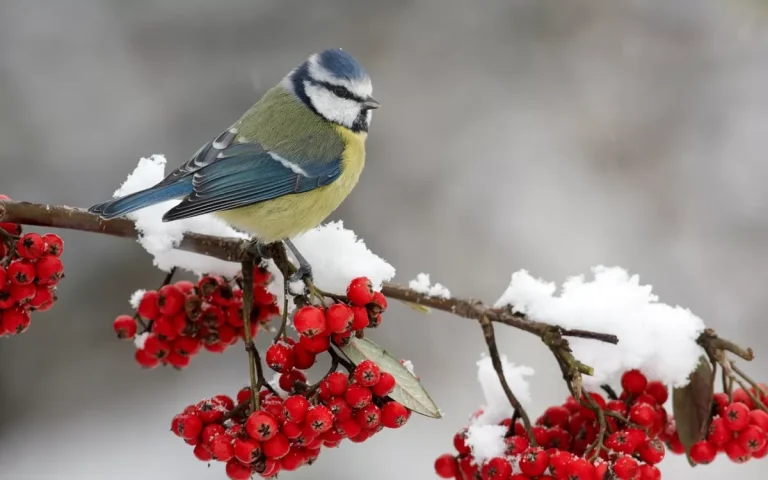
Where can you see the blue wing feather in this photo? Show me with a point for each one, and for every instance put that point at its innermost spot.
(246, 174)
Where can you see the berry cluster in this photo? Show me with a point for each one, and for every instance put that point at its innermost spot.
(738, 427)
(284, 434)
(180, 319)
(570, 444)
(30, 269)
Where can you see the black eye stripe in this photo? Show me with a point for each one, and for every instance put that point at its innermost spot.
(340, 91)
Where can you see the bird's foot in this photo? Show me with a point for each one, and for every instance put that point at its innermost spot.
(259, 249)
(303, 274)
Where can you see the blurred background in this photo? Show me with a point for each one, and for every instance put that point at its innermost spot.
(540, 134)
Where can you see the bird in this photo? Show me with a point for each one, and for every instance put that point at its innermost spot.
(284, 166)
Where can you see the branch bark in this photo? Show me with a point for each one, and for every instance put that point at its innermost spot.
(235, 250)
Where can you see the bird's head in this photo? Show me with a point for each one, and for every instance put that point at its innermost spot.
(335, 86)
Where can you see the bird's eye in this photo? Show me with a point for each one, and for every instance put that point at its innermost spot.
(340, 91)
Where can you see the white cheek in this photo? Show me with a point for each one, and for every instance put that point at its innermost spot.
(339, 110)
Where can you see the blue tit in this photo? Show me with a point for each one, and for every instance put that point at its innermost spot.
(285, 165)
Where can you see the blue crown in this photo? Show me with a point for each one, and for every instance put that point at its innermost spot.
(341, 64)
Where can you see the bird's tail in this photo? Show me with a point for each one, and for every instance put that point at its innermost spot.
(142, 199)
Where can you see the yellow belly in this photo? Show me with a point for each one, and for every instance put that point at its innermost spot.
(291, 215)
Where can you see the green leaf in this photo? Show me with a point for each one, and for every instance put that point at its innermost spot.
(408, 389)
(692, 404)
(417, 307)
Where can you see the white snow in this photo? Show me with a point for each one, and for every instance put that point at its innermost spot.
(485, 436)
(136, 298)
(423, 285)
(486, 441)
(408, 366)
(337, 256)
(656, 338)
(140, 340)
(160, 238)
(335, 253)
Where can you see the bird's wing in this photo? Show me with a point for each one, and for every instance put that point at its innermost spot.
(203, 157)
(244, 174)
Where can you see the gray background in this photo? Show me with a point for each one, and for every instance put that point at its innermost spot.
(540, 134)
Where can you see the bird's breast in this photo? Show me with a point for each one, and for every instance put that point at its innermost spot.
(293, 214)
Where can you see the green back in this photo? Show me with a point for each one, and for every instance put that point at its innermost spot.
(280, 122)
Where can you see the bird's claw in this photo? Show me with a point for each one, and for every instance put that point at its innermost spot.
(303, 274)
(259, 249)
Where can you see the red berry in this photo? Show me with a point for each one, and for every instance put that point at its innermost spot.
(295, 408)
(247, 450)
(369, 417)
(279, 357)
(703, 452)
(212, 316)
(762, 453)
(358, 396)
(310, 321)
(634, 382)
(43, 296)
(721, 401)
(49, 270)
(379, 303)
(367, 373)
(210, 432)
(625, 467)
(652, 451)
(189, 426)
(156, 347)
(341, 339)
(718, 432)
(3, 274)
(339, 318)
(534, 462)
(384, 386)
(339, 408)
(739, 395)
(319, 418)
(360, 319)
(759, 418)
(202, 453)
(22, 294)
(186, 346)
(648, 472)
(302, 358)
(737, 452)
(125, 327)
(15, 321)
(642, 414)
(360, 291)
(276, 447)
(146, 360)
(148, 309)
(237, 471)
(170, 300)
(210, 410)
(54, 245)
(221, 448)
(752, 438)
(516, 445)
(554, 417)
(497, 468)
(31, 246)
(334, 385)
(446, 466)
(736, 417)
(658, 391)
(460, 443)
(261, 426)
(288, 380)
(581, 469)
(21, 272)
(617, 406)
(394, 415)
(558, 460)
(316, 344)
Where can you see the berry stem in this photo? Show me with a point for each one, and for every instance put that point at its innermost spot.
(348, 366)
(253, 354)
(334, 365)
(10, 242)
(610, 392)
(490, 341)
(753, 384)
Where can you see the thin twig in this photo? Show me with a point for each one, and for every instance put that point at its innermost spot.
(336, 356)
(610, 392)
(253, 354)
(312, 388)
(490, 341)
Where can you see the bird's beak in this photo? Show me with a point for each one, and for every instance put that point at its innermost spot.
(370, 103)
